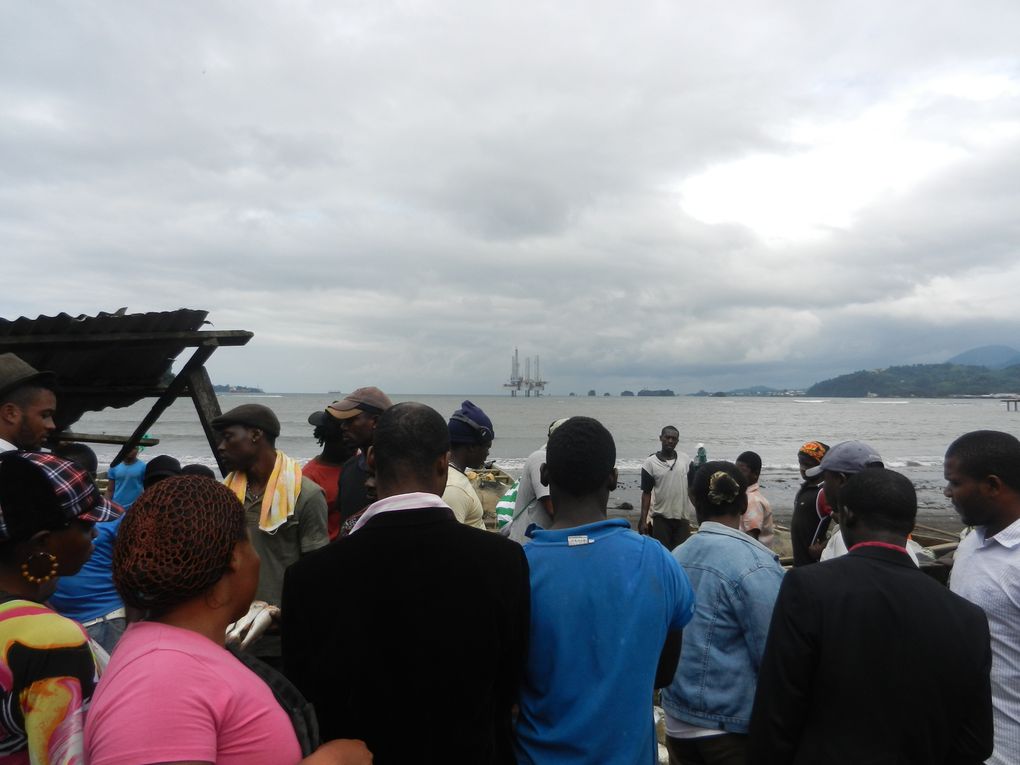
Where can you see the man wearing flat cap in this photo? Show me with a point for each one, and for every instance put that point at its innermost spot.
(358, 413)
(471, 437)
(285, 510)
(27, 404)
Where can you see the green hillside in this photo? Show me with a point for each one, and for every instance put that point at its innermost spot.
(921, 380)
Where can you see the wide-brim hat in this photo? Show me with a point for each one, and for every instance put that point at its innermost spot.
(370, 400)
(14, 372)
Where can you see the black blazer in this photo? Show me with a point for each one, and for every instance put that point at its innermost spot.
(868, 660)
(411, 634)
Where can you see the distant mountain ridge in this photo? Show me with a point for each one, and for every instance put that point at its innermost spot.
(754, 390)
(991, 356)
(922, 381)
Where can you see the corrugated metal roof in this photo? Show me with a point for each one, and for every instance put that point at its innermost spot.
(107, 360)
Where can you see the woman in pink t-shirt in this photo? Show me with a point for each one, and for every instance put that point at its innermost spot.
(172, 692)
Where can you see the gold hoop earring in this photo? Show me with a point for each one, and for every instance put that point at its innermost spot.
(30, 569)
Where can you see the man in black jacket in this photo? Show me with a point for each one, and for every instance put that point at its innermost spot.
(411, 632)
(808, 527)
(868, 660)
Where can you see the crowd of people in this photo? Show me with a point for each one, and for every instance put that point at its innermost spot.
(357, 610)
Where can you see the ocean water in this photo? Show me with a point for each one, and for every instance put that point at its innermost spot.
(911, 435)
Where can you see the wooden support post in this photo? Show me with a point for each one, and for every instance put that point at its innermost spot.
(173, 390)
(208, 408)
(68, 436)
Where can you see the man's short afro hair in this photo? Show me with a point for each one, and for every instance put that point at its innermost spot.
(580, 456)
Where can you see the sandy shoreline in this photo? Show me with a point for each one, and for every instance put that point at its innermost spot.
(933, 511)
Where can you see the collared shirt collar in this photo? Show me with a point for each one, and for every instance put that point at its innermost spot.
(714, 527)
(1009, 537)
(575, 535)
(416, 500)
(7, 446)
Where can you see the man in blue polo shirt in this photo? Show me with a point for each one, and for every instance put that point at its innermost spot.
(607, 607)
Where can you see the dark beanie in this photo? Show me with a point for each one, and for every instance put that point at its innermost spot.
(470, 425)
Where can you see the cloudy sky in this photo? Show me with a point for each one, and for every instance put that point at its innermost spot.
(656, 194)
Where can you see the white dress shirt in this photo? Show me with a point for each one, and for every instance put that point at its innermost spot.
(986, 571)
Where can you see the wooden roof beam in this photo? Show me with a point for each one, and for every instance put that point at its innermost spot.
(188, 339)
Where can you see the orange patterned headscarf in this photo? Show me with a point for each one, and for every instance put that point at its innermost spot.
(814, 449)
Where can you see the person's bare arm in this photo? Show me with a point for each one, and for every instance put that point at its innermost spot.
(646, 503)
(669, 658)
(341, 751)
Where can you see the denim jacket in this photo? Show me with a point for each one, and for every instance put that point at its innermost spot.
(736, 580)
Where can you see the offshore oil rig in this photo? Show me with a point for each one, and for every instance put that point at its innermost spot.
(531, 386)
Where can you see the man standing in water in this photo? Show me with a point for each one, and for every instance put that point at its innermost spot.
(27, 404)
(982, 472)
(664, 492)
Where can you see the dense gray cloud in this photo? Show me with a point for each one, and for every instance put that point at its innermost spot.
(666, 195)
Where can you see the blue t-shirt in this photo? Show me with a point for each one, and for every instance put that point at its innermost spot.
(602, 600)
(128, 482)
(90, 593)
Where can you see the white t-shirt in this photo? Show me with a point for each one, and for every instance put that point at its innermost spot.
(669, 497)
(836, 547)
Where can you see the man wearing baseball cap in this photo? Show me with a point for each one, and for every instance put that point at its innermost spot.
(285, 510)
(839, 463)
(27, 404)
(843, 460)
(471, 437)
(358, 413)
(326, 467)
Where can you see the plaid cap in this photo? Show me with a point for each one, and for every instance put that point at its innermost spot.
(74, 490)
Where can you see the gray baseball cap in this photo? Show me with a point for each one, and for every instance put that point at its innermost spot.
(847, 457)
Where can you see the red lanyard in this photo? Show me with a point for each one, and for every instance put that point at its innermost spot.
(886, 545)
